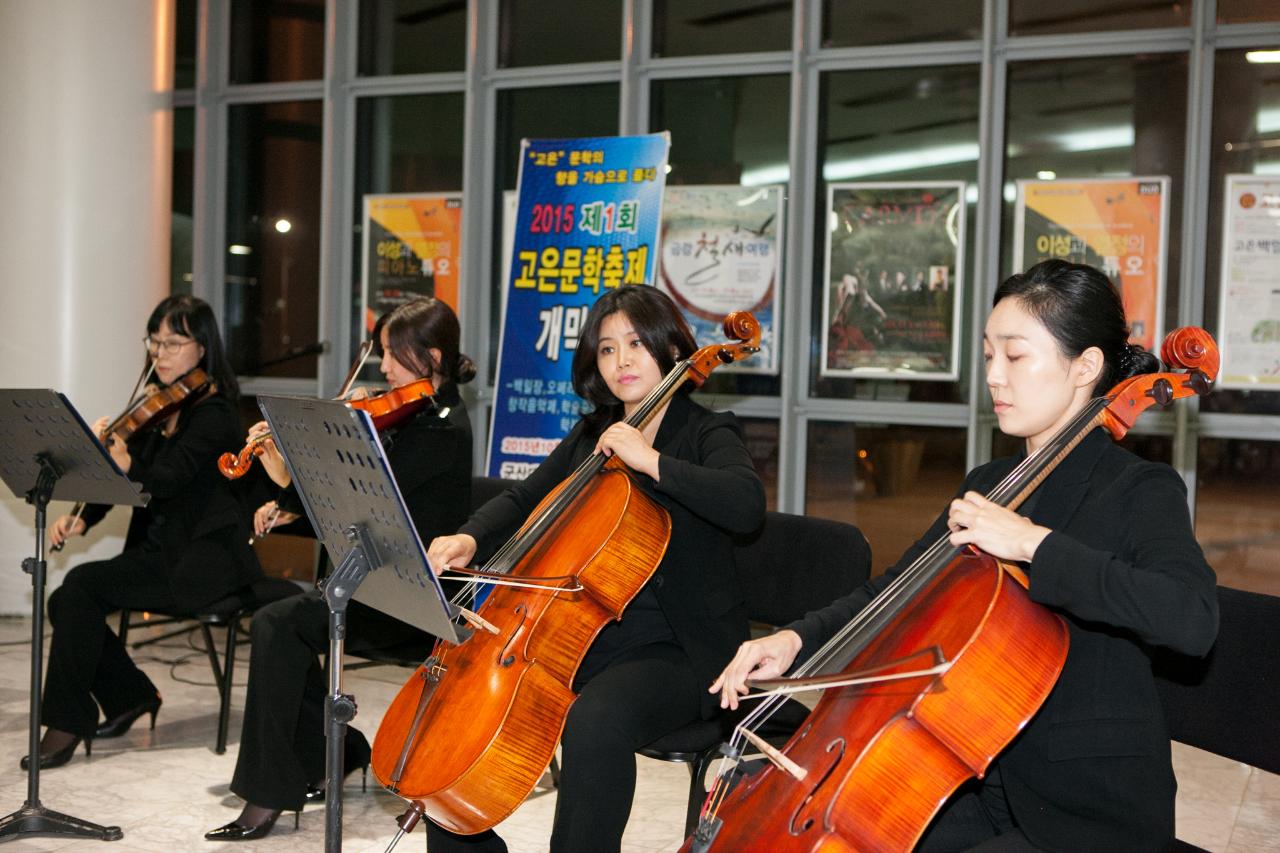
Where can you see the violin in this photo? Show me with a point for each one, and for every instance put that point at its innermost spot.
(233, 466)
(388, 409)
(929, 682)
(158, 405)
(490, 710)
(150, 410)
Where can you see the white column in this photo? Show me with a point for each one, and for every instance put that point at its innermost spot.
(85, 166)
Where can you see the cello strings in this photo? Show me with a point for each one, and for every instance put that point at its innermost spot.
(511, 552)
(504, 560)
(927, 564)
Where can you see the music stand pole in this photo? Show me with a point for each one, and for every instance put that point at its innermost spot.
(33, 818)
(339, 707)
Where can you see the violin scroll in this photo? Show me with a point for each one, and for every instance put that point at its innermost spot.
(233, 466)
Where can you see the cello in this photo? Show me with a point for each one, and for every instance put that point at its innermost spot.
(929, 682)
(474, 728)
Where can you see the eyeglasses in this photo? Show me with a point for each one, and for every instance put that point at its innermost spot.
(169, 347)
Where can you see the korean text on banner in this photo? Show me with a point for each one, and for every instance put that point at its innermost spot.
(411, 248)
(587, 219)
(1115, 224)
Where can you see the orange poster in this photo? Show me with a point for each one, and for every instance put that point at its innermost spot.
(411, 248)
(1115, 224)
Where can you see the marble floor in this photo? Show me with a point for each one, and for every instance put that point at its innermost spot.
(166, 787)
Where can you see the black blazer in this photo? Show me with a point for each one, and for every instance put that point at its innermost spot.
(1092, 769)
(709, 486)
(193, 519)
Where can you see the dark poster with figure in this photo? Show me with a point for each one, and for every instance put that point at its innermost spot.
(895, 261)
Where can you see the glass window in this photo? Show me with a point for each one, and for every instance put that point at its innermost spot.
(1245, 140)
(277, 42)
(761, 437)
(870, 22)
(1238, 511)
(551, 112)
(183, 200)
(271, 311)
(551, 32)
(412, 36)
(405, 143)
(696, 27)
(891, 481)
(887, 127)
(1037, 18)
(186, 24)
(1247, 11)
(726, 130)
(1100, 118)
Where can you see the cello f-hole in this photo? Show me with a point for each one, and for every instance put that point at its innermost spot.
(800, 823)
(505, 657)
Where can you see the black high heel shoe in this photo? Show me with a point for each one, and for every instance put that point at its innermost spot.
(236, 831)
(59, 757)
(315, 793)
(121, 723)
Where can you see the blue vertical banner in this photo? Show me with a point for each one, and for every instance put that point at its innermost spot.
(588, 214)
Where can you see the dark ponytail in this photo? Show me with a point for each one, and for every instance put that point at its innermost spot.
(1081, 308)
(417, 327)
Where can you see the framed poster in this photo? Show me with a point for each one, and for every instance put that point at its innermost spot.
(412, 243)
(722, 252)
(894, 278)
(1115, 224)
(1249, 289)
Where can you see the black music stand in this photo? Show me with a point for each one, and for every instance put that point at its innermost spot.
(47, 451)
(342, 475)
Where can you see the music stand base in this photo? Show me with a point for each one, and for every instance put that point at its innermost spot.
(37, 820)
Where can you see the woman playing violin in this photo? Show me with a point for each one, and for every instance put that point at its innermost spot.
(282, 743)
(640, 678)
(185, 549)
(1108, 544)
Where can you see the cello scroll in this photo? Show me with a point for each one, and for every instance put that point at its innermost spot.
(1189, 349)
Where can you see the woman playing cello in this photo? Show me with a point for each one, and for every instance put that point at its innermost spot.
(282, 742)
(1108, 545)
(187, 548)
(640, 678)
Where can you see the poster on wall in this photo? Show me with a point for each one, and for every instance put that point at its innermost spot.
(411, 246)
(587, 217)
(894, 278)
(1249, 306)
(1115, 224)
(721, 252)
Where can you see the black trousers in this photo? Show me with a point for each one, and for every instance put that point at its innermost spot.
(977, 819)
(88, 665)
(636, 699)
(282, 742)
